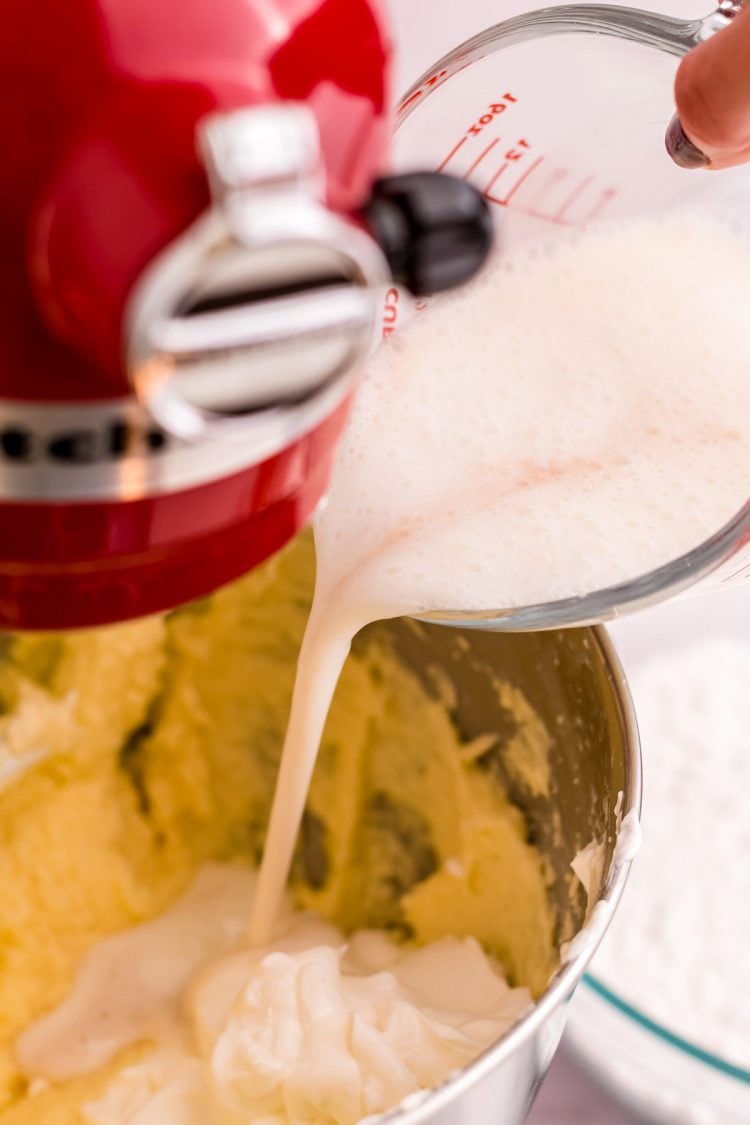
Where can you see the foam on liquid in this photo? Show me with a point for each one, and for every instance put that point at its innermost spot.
(577, 417)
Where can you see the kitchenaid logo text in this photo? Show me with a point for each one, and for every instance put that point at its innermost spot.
(105, 450)
(112, 439)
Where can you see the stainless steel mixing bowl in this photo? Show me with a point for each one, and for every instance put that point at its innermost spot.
(574, 682)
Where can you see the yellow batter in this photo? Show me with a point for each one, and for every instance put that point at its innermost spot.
(129, 755)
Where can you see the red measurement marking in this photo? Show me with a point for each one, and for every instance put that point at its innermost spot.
(546, 217)
(607, 195)
(744, 570)
(576, 193)
(390, 312)
(493, 181)
(452, 153)
(514, 154)
(480, 158)
(413, 98)
(427, 86)
(521, 179)
(553, 181)
(492, 111)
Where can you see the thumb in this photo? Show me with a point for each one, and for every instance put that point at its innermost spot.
(712, 90)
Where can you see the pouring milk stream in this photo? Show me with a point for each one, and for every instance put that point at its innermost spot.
(578, 417)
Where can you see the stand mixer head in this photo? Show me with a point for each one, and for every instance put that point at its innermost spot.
(195, 248)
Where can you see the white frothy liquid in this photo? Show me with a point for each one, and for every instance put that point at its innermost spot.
(577, 417)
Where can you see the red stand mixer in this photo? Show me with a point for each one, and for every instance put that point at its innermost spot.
(195, 248)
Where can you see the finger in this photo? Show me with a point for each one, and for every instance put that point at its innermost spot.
(712, 92)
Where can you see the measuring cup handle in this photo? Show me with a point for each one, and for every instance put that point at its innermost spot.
(719, 19)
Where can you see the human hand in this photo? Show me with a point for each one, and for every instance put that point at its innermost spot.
(711, 128)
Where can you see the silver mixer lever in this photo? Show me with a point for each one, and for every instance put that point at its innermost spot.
(259, 316)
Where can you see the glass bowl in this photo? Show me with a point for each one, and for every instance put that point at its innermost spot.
(664, 1076)
(651, 1069)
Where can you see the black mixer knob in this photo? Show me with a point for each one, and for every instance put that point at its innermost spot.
(435, 230)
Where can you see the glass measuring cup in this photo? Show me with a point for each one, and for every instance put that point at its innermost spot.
(558, 116)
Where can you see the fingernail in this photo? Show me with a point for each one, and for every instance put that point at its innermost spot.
(681, 148)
